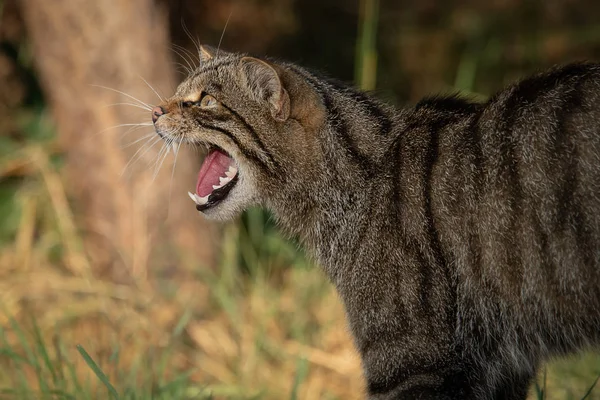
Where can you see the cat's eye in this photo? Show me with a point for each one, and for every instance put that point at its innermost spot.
(208, 101)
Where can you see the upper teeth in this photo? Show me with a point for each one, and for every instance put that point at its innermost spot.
(224, 180)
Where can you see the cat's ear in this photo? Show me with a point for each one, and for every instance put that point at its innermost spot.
(263, 82)
(206, 53)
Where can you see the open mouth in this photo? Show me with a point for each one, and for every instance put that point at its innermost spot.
(217, 176)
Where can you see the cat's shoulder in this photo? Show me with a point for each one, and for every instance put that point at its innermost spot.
(552, 82)
(453, 103)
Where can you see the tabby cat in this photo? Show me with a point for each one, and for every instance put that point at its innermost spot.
(463, 238)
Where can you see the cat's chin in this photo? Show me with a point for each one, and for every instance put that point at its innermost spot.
(230, 207)
(222, 213)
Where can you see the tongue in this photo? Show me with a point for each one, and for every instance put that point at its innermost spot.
(214, 166)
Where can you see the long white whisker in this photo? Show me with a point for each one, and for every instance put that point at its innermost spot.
(183, 70)
(154, 90)
(147, 146)
(133, 128)
(173, 174)
(187, 55)
(193, 57)
(141, 124)
(165, 153)
(223, 33)
(147, 136)
(189, 67)
(164, 148)
(124, 94)
(128, 104)
(196, 42)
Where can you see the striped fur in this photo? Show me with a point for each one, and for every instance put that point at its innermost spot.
(463, 238)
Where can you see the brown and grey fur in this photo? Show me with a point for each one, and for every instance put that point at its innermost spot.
(463, 238)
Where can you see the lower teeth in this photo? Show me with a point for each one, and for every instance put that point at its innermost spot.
(197, 199)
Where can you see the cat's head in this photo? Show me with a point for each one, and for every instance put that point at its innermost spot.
(252, 117)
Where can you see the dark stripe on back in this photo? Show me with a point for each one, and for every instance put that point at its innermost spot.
(453, 104)
(571, 214)
(509, 179)
(431, 157)
(373, 109)
(473, 147)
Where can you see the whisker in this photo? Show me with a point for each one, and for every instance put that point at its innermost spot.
(145, 137)
(133, 128)
(128, 104)
(173, 175)
(124, 94)
(196, 41)
(158, 156)
(147, 146)
(182, 70)
(187, 55)
(174, 149)
(192, 56)
(151, 88)
(141, 124)
(189, 67)
(162, 158)
(223, 33)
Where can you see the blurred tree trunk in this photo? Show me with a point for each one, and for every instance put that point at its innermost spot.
(128, 220)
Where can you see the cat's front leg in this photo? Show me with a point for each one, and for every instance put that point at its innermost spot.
(435, 385)
(445, 379)
(393, 373)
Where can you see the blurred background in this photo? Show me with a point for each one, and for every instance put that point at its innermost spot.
(100, 246)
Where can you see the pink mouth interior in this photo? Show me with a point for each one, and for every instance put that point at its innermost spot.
(215, 165)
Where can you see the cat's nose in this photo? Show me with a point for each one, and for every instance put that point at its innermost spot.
(157, 112)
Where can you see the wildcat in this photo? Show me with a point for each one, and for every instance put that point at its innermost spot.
(462, 237)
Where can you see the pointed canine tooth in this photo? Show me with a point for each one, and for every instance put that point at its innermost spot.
(193, 197)
(224, 181)
(202, 200)
(216, 186)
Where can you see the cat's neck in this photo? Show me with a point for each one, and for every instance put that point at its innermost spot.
(327, 221)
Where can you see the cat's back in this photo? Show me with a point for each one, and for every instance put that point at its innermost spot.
(538, 145)
(524, 225)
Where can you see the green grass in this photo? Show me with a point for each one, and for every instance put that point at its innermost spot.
(33, 368)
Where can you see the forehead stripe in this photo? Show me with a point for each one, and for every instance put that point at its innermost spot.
(213, 66)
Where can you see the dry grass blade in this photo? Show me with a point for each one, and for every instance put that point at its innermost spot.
(76, 260)
(24, 239)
